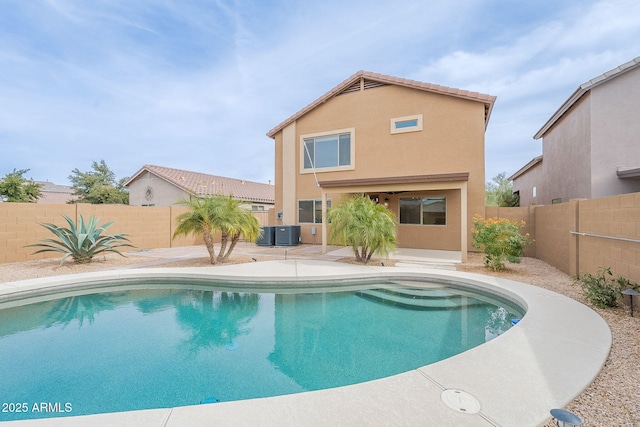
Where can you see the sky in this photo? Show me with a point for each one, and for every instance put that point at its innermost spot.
(197, 84)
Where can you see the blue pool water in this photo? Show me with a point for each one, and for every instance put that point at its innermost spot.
(165, 347)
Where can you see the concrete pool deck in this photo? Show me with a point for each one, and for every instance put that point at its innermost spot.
(542, 363)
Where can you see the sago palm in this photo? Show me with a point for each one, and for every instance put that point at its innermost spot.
(369, 228)
(83, 241)
(217, 214)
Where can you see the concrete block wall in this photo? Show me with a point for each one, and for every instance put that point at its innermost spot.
(617, 221)
(554, 240)
(146, 227)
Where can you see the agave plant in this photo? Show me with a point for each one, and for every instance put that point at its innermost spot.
(81, 242)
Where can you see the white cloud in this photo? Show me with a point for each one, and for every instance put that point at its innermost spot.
(197, 84)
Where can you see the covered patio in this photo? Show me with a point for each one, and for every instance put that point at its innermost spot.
(396, 185)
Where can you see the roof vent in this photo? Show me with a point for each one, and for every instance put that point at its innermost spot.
(353, 88)
(372, 84)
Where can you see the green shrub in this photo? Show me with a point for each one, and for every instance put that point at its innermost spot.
(81, 242)
(500, 239)
(603, 290)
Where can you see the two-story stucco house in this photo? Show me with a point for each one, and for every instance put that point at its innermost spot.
(590, 145)
(416, 147)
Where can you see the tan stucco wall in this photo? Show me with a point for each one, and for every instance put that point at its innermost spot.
(452, 140)
(164, 193)
(615, 134)
(566, 166)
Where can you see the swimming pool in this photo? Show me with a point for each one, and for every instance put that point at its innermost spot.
(553, 353)
(160, 345)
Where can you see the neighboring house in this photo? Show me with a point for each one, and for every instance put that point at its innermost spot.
(526, 182)
(591, 144)
(55, 194)
(161, 186)
(416, 147)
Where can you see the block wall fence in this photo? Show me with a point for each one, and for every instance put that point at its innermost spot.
(584, 235)
(147, 227)
(575, 237)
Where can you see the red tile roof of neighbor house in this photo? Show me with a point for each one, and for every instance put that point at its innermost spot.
(348, 84)
(198, 183)
(583, 89)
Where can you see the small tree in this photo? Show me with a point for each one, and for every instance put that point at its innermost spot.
(14, 187)
(369, 228)
(500, 240)
(98, 186)
(210, 215)
(500, 192)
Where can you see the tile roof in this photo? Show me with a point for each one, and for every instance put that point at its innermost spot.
(198, 183)
(488, 100)
(584, 88)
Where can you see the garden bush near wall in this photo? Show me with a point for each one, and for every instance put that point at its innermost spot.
(602, 289)
(500, 239)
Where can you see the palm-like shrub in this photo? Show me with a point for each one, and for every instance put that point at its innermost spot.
(223, 214)
(82, 241)
(369, 228)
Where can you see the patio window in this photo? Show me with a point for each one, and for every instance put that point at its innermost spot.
(327, 151)
(310, 211)
(420, 210)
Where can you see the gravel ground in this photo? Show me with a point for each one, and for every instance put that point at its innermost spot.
(612, 399)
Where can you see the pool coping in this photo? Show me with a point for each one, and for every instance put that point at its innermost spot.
(542, 363)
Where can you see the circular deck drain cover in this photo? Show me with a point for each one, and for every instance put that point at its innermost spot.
(460, 401)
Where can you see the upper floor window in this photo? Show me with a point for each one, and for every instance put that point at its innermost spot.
(329, 150)
(431, 210)
(406, 124)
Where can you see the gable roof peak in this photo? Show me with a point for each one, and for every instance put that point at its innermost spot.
(349, 85)
(583, 89)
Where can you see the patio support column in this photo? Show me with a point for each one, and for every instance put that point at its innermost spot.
(463, 221)
(324, 222)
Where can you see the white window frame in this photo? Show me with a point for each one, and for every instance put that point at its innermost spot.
(393, 124)
(352, 149)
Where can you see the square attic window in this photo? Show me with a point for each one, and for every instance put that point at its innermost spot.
(406, 124)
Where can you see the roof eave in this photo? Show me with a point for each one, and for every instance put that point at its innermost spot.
(526, 168)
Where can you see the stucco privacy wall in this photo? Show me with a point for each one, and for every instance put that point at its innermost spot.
(617, 217)
(555, 244)
(147, 227)
(606, 233)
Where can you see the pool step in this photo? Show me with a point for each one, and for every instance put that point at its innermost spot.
(418, 299)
